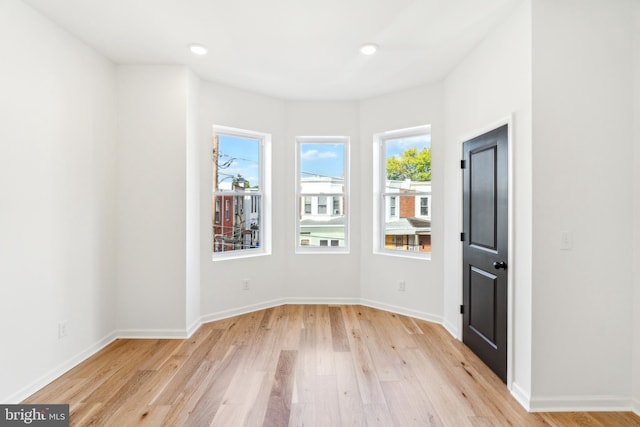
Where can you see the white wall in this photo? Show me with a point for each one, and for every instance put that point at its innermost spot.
(193, 230)
(583, 179)
(636, 210)
(57, 181)
(493, 83)
(221, 288)
(152, 200)
(311, 276)
(380, 274)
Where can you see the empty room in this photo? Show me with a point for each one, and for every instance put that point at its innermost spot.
(291, 212)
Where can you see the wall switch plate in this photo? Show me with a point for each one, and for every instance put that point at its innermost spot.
(245, 284)
(402, 286)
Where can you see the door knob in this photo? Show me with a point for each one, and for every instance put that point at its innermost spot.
(500, 265)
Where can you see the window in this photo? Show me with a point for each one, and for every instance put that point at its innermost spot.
(336, 206)
(322, 205)
(322, 185)
(392, 207)
(240, 187)
(424, 206)
(402, 183)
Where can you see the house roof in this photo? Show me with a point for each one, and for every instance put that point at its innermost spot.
(334, 221)
(405, 226)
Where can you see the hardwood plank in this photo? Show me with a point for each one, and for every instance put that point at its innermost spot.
(116, 401)
(197, 350)
(291, 336)
(383, 355)
(368, 382)
(338, 330)
(299, 365)
(326, 404)
(324, 342)
(377, 414)
(279, 408)
(406, 408)
(351, 406)
(619, 419)
(205, 409)
(137, 410)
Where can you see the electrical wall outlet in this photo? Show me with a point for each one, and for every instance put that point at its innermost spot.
(566, 240)
(62, 329)
(402, 286)
(245, 284)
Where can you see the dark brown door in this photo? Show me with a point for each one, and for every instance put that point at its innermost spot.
(485, 241)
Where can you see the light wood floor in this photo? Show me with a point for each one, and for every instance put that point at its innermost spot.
(312, 365)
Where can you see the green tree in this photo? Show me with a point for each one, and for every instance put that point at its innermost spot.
(412, 164)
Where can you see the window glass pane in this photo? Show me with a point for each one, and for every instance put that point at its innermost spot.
(406, 232)
(322, 194)
(236, 163)
(240, 228)
(237, 193)
(316, 227)
(322, 167)
(408, 158)
(322, 205)
(406, 193)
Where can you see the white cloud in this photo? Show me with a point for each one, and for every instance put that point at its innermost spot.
(316, 155)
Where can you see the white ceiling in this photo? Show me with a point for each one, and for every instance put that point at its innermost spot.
(291, 49)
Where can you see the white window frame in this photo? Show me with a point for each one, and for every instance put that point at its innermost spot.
(380, 213)
(264, 193)
(303, 249)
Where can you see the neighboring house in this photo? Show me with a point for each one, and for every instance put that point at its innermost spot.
(236, 220)
(322, 220)
(408, 216)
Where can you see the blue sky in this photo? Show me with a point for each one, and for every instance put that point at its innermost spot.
(324, 159)
(394, 147)
(239, 156)
(242, 156)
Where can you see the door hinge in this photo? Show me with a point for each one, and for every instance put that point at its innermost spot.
(462, 236)
(463, 164)
(461, 309)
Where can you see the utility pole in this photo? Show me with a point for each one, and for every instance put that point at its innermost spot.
(214, 167)
(214, 179)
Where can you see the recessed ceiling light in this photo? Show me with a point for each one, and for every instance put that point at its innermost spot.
(198, 49)
(369, 49)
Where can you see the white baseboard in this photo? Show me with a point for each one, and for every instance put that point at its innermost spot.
(320, 300)
(521, 396)
(581, 404)
(58, 371)
(422, 315)
(194, 327)
(635, 407)
(452, 329)
(152, 334)
(225, 314)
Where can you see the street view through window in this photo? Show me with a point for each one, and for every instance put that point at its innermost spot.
(322, 197)
(406, 192)
(237, 196)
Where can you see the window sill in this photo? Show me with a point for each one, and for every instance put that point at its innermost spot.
(315, 251)
(425, 256)
(226, 256)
